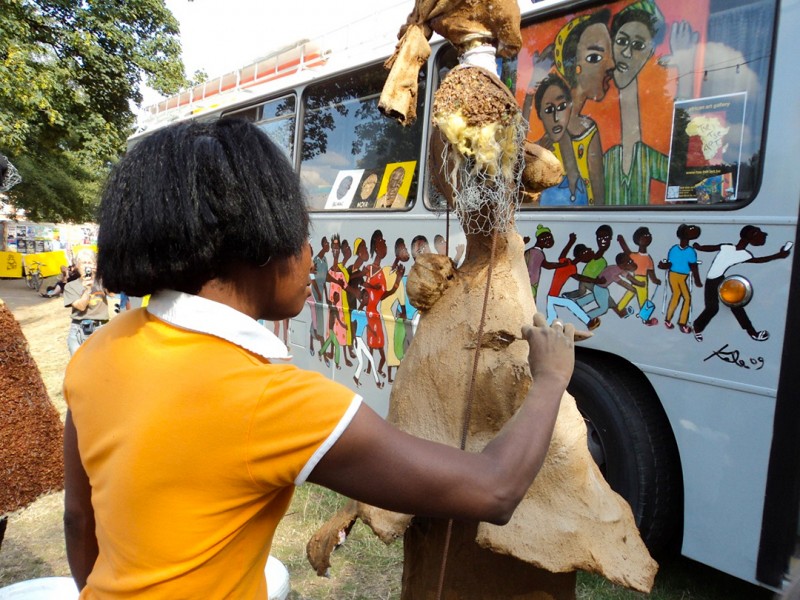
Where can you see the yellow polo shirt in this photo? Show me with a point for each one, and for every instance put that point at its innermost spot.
(193, 441)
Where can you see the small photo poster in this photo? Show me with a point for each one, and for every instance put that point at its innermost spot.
(706, 149)
(396, 182)
(344, 189)
(367, 190)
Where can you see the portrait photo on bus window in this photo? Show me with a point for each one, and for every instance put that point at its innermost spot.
(344, 189)
(628, 94)
(367, 189)
(396, 182)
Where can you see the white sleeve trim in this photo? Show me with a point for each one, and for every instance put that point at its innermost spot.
(330, 441)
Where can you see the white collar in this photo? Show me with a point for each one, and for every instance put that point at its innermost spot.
(206, 316)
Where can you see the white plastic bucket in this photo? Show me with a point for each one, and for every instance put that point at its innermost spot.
(45, 588)
(277, 579)
(63, 588)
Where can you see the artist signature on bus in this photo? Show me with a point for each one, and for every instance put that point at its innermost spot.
(734, 357)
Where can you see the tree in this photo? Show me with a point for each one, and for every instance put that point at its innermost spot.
(69, 74)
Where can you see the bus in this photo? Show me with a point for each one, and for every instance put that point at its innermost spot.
(676, 122)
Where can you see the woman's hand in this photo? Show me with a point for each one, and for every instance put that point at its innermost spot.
(551, 349)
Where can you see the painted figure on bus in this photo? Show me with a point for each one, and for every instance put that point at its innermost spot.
(359, 320)
(319, 295)
(276, 329)
(568, 269)
(553, 104)
(681, 262)
(377, 288)
(338, 327)
(440, 244)
(347, 254)
(630, 166)
(636, 31)
(584, 58)
(355, 275)
(621, 273)
(419, 245)
(536, 260)
(585, 292)
(393, 309)
(645, 273)
(730, 255)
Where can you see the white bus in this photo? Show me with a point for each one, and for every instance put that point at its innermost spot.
(677, 124)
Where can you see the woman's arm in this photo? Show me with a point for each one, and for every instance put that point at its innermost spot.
(376, 463)
(78, 511)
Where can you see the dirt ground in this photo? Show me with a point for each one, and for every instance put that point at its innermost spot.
(34, 542)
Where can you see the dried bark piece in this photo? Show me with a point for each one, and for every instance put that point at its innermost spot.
(463, 23)
(329, 537)
(542, 169)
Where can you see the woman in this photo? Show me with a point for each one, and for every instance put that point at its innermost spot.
(631, 165)
(584, 58)
(176, 482)
(553, 102)
(377, 282)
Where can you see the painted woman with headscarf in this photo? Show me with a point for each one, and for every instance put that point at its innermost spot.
(583, 57)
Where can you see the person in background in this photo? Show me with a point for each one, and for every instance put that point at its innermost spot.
(124, 302)
(66, 275)
(87, 299)
(207, 442)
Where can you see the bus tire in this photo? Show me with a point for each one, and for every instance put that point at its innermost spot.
(631, 441)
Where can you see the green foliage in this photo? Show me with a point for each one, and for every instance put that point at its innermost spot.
(69, 74)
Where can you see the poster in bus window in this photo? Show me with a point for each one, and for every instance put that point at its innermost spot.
(598, 86)
(344, 189)
(367, 190)
(706, 149)
(393, 191)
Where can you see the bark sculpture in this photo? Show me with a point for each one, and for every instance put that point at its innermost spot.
(31, 432)
(570, 518)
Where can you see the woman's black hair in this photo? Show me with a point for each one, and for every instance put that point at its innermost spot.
(551, 79)
(569, 50)
(193, 199)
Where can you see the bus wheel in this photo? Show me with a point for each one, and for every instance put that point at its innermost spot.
(631, 441)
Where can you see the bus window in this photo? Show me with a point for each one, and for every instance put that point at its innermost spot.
(277, 119)
(352, 156)
(649, 103)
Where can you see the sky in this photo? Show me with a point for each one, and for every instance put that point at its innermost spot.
(219, 37)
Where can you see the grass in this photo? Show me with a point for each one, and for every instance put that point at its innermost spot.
(362, 568)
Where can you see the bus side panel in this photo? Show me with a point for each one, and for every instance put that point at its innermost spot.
(724, 439)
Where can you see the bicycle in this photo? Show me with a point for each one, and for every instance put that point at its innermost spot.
(33, 275)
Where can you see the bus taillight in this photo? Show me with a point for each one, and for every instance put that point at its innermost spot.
(735, 291)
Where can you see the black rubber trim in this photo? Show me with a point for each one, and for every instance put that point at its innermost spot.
(782, 495)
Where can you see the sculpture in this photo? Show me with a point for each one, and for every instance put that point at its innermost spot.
(466, 372)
